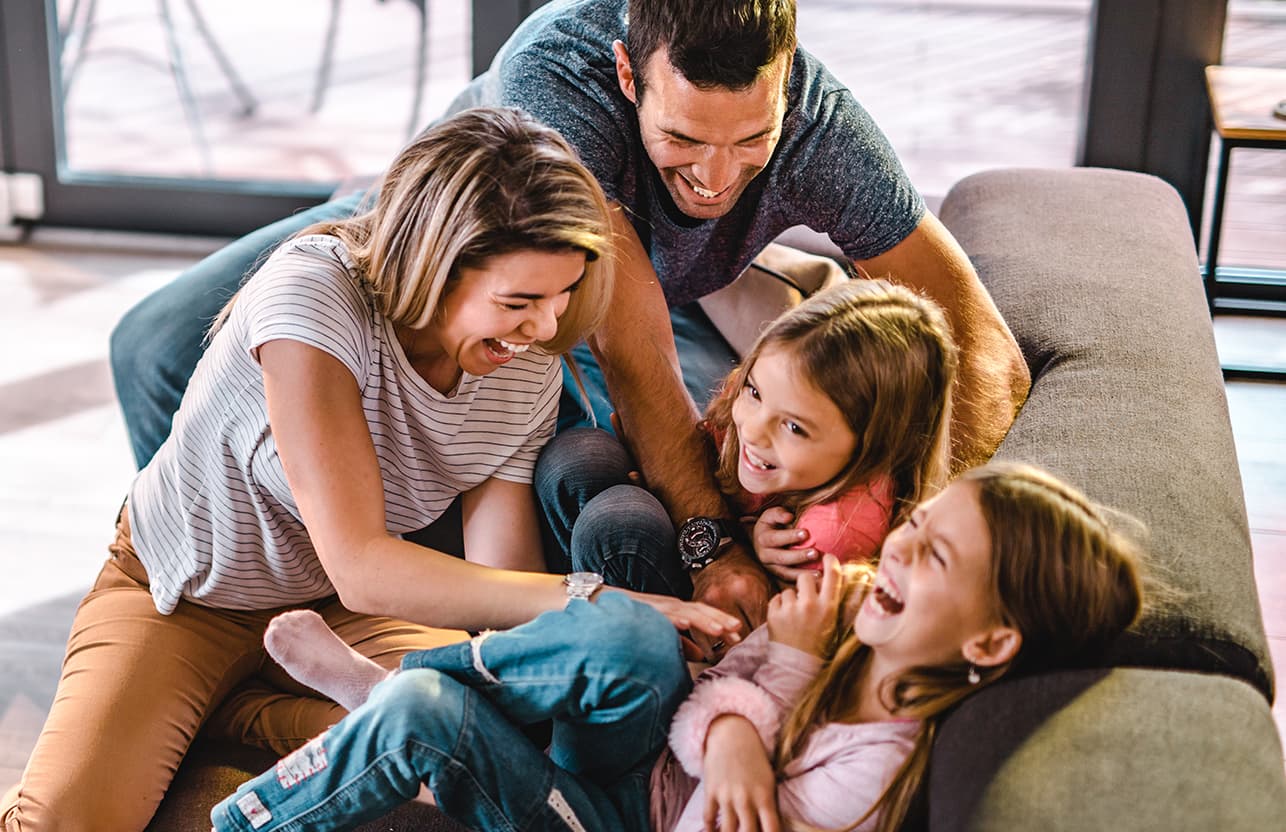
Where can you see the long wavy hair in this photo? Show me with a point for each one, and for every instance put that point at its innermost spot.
(885, 356)
(1060, 575)
(483, 183)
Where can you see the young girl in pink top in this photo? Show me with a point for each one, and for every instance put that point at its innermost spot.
(835, 425)
(824, 717)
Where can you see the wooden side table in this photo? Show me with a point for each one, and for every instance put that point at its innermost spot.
(1242, 101)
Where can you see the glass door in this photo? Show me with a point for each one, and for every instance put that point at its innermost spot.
(217, 117)
(1250, 285)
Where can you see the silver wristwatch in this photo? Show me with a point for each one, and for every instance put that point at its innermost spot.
(582, 584)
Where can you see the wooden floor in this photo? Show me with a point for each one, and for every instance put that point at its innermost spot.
(959, 86)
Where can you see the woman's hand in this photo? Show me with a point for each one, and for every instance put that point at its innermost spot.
(806, 617)
(773, 536)
(741, 790)
(690, 615)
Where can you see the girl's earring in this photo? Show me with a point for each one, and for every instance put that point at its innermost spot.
(974, 677)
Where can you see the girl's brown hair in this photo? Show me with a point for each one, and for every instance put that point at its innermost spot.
(1060, 575)
(885, 356)
(486, 182)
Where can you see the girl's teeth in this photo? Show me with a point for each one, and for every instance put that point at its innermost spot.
(514, 348)
(886, 598)
(888, 588)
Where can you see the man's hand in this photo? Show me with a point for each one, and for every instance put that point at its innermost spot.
(807, 616)
(741, 790)
(736, 584)
(773, 536)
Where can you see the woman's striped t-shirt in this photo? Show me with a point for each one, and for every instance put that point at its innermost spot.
(212, 516)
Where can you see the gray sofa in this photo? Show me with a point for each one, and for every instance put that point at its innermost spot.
(1096, 274)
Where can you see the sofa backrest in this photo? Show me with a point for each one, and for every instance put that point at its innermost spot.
(1096, 273)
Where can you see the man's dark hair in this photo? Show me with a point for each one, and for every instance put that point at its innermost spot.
(712, 43)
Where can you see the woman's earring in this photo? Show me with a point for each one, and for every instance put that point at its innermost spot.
(974, 677)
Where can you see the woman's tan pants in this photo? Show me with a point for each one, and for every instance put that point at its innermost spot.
(137, 686)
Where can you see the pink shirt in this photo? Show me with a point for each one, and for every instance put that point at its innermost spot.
(850, 527)
(839, 774)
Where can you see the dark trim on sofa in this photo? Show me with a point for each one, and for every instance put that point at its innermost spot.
(1192, 653)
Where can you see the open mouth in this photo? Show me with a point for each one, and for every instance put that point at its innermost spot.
(886, 596)
(704, 193)
(754, 462)
(500, 350)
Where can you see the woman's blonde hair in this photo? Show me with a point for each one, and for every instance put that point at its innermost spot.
(483, 183)
(885, 356)
(1060, 575)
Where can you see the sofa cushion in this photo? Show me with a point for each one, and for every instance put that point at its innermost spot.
(1122, 749)
(1096, 273)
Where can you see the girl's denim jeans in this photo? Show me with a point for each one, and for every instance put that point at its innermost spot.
(609, 675)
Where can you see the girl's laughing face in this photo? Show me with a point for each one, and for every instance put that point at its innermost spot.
(792, 436)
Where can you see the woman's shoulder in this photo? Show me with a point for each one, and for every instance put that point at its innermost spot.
(314, 264)
(325, 248)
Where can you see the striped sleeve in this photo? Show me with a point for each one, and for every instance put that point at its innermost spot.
(305, 293)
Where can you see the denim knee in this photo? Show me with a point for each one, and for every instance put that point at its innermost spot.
(579, 463)
(416, 706)
(640, 642)
(626, 535)
(573, 468)
(152, 351)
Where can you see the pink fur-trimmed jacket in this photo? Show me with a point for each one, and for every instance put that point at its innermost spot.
(840, 772)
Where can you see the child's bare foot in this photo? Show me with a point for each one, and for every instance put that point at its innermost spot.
(309, 651)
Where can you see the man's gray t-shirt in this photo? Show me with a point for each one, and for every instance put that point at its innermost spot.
(833, 171)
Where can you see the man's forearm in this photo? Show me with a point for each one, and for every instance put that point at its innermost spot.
(993, 382)
(659, 425)
(658, 421)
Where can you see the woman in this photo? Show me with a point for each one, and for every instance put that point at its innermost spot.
(369, 373)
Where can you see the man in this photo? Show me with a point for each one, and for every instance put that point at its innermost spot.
(712, 133)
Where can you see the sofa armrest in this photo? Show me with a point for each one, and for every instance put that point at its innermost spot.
(1123, 749)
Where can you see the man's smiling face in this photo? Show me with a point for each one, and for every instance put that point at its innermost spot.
(707, 143)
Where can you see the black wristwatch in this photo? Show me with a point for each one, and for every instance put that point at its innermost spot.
(702, 539)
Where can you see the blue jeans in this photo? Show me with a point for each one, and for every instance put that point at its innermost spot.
(597, 521)
(609, 674)
(704, 357)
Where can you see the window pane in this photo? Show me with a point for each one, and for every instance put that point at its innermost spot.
(241, 89)
(960, 86)
(1254, 220)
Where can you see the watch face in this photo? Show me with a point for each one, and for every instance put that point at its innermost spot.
(699, 540)
(583, 579)
(582, 584)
